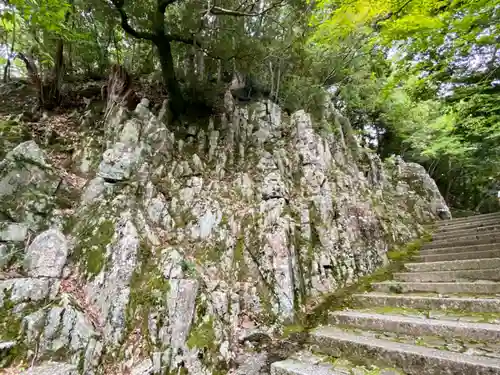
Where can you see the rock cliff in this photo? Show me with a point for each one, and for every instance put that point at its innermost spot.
(186, 248)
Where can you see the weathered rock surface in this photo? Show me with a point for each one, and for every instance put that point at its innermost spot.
(46, 255)
(190, 244)
(52, 368)
(26, 177)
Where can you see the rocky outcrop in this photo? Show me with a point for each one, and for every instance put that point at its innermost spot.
(27, 186)
(188, 244)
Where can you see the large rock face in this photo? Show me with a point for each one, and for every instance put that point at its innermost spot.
(188, 243)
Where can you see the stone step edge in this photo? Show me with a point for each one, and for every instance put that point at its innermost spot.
(472, 228)
(472, 272)
(468, 218)
(471, 237)
(460, 248)
(473, 305)
(413, 267)
(468, 231)
(464, 254)
(411, 358)
(292, 366)
(417, 326)
(466, 224)
(415, 284)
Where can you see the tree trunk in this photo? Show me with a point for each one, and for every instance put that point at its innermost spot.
(177, 104)
(6, 72)
(50, 95)
(50, 92)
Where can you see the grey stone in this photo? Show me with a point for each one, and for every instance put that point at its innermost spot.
(28, 289)
(118, 162)
(181, 306)
(46, 255)
(172, 265)
(26, 177)
(110, 290)
(294, 367)
(92, 355)
(52, 368)
(26, 151)
(13, 232)
(130, 133)
(273, 187)
(33, 325)
(255, 364)
(144, 368)
(93, 190)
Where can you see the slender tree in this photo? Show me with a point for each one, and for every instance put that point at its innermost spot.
(163, 40)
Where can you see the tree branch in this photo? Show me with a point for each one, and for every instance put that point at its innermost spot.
(389, 15)
(125, 24)
(163, 4)
(182, 39)
(218, 11)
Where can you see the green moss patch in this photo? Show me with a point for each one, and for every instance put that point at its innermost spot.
(342, 298)
(203, 336)
(92, 239)
(148, 291)
(11, 328)
(11, 134)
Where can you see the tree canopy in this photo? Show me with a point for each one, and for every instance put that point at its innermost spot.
(417, 78)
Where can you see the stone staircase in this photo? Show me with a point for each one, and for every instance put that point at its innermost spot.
(439, 317)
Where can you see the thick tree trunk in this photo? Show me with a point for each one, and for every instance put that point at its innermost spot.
(177, 104)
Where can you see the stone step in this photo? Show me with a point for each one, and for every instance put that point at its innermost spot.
(465, 232)
(468, 237)
(477, 239)
(458, 249)
(468, 219)
(446, 256)
(417, 326)
(464, 226)
(480, 240)
(452, 265)
(445, 276)
(480, 305)
(412, 359)
(296, 367)
(482, 287)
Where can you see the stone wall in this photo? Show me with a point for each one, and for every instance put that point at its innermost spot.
(188, 242)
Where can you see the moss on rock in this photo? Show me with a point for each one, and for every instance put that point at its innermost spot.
(92, 240)
(342, 298)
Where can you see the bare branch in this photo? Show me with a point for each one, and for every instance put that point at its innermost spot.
(218, 11)
(125, 24)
